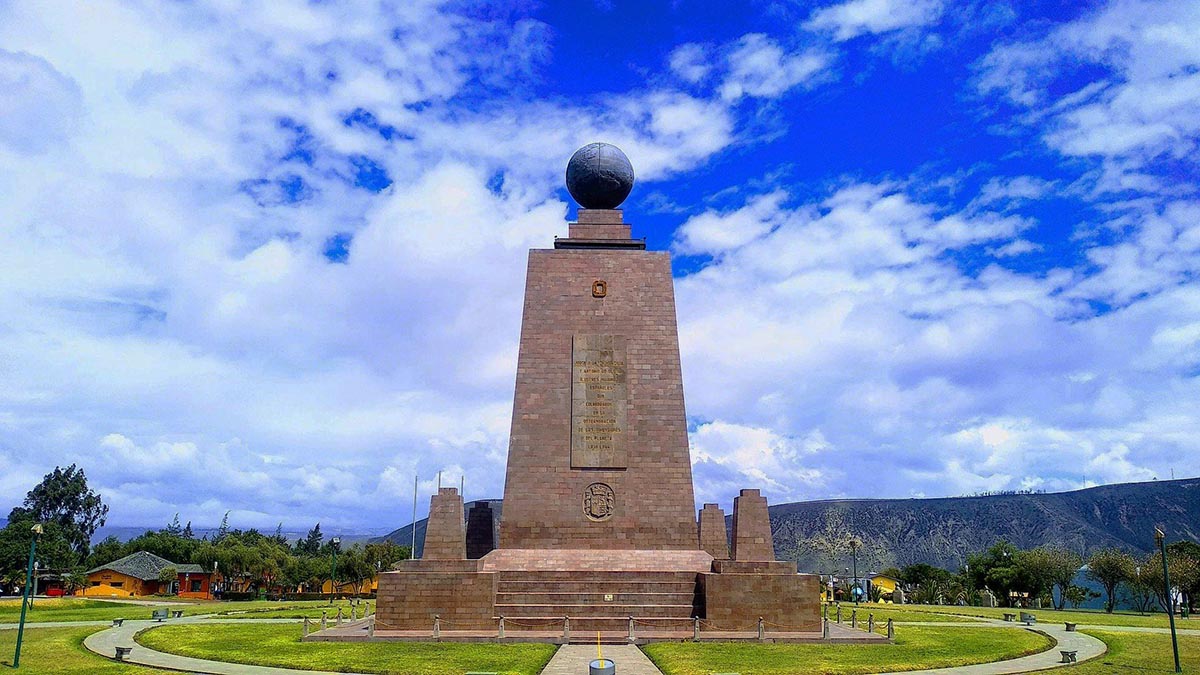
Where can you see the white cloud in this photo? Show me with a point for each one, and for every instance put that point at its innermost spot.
(858, 17)
(759, 67)
(690, 61)
(1141, 100)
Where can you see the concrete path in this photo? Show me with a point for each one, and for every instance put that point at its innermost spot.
(574, 660)
(105, 643)
(1085, 646)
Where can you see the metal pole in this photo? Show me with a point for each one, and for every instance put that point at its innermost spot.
(854, 561)
(37, 531)
(1162, 547)
(412, 554)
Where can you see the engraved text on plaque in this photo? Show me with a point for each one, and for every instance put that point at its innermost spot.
(599, 396)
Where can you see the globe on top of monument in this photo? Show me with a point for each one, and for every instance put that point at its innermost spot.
(599, 176)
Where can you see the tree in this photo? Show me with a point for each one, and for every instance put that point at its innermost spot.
(1048, 566)
(63, 497)
(168, 575)
(1187, 549)
(1185, 572)
(1141, 585)
(174, 529)
(187, 531)
(997, 569)
(1110, 567)
(385, 554)
(311, 545)
(74, 580)
(106, 551)
(53, 549)
(1077, 595)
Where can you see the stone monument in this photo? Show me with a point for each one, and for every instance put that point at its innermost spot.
(599, 521)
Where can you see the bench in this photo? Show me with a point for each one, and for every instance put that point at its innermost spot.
(1010, 617)
(1068, 655)
(1070, 626)
(1028, 619)
(117, 622)
(122, 652)
(159, 615)
(176, 614)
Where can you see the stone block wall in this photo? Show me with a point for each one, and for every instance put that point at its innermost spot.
(787, 602)
(751, 528)
(409, 600)
(714, 538)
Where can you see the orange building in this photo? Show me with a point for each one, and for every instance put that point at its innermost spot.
(140, 574)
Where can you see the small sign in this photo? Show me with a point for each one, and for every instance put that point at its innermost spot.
(608, 597)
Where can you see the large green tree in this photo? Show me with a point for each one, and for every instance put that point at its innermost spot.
(1045, 567)
(64, 498)
(1111, 567)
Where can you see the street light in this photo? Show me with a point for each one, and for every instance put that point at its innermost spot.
(1160, 539)
(37, 532)
(855, 591)
(333, 547)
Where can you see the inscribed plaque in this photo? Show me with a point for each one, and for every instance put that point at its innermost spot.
(599, 395)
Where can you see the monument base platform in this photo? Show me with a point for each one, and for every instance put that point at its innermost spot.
(361, 632)
(597, 590)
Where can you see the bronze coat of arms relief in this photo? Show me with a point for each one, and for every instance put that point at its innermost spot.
(599, 502)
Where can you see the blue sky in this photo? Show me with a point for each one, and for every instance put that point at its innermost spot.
(268, 257)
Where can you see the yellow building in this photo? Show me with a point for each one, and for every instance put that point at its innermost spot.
(138, 574)
(886, 585)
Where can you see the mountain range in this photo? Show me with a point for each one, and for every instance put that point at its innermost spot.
(944, 531)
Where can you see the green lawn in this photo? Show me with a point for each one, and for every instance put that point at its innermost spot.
(78, 609)
(916, 647)
(60, 651)
(1140, 654)
(280, 645)
(883, 612)
(1081, 617)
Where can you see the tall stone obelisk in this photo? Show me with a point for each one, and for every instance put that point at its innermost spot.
(598, 455)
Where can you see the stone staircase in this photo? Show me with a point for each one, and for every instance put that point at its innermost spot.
(595, 600)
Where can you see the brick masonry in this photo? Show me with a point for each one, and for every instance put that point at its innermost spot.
(445, 534)
(752, 527)
(543, 494)
(714, 538)
(787, 602)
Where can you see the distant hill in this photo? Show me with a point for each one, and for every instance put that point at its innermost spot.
(944, 531)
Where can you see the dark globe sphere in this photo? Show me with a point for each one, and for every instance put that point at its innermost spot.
(599, 176)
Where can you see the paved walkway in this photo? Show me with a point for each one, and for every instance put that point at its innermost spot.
(1085, 646)
(105, 643)
(574, 660)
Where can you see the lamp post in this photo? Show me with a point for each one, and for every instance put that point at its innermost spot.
(33, 594)
(37, 532)
(1160, 539)
(855, 591)
(333, 548)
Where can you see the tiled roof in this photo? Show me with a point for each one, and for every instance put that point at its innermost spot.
(141, 565)
(189, 568)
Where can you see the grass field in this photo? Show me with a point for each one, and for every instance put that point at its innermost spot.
(916, 647)
(883, 612)
(78, 609)
(60, 651)
(1081, 617)
(1140, 653)
(279, 645)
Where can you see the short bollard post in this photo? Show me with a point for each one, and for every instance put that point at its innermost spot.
(371, 627)
(839, 613)
(353, 612)
(306, 626)
(762, 632)
(437, 626)
(825, 614)
(324, 619)
(871, 623)
(631, 636)
(501, 626)
(891, 630)
(339, 616)
(695, 629)
(566, 629)
(825, 629)
(854, 618)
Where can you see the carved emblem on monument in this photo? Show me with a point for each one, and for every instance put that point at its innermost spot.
(598, 501)
(599, 288)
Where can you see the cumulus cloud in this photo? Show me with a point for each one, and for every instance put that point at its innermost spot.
(1119, 84)
(759, 67)
(858, 17)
